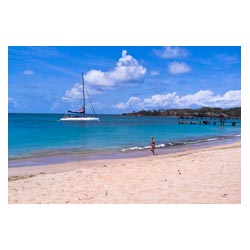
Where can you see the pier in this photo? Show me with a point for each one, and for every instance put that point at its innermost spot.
(209, 121)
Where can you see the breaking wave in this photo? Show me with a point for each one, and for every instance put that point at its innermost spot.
(179, 143)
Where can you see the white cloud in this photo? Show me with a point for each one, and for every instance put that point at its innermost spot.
(75, 93)
(229, 59)
(154, 73)
(176, 68)
(98, 78)
(160, 100)
(28, 72)
(132, 101)
(127, 70)
(12, 103)
(73, 97)
(171, 52)
(231, 98)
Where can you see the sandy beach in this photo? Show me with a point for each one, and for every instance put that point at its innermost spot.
(208, 176)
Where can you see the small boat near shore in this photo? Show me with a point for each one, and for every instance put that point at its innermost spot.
(80, 115)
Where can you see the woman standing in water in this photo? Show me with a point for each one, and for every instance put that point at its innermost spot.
(152, 145)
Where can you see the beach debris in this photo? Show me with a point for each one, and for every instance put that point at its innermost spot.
(105, 166)
(15, 178)
(166, 180)
(179, 171)
(106, 193)
(224, 195)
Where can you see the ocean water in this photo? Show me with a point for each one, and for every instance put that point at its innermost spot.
(38, 135)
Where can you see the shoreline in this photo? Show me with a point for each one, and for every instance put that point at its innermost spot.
(202, 175)
(65, 157)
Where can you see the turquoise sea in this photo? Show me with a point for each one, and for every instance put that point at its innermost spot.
(32, 137)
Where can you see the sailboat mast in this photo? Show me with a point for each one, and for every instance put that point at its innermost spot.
(83, 93)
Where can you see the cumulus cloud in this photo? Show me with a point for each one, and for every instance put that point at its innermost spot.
(230, 99)
(158, 100)
(169, 52)
(75, 93)
(28, 72)
(132, 101)
(73, 97)
(176, 68)
(127, 70)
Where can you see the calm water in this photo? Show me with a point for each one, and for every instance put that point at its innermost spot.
(34, 135)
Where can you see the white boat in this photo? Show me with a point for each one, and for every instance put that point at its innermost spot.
(79, 115)
(81, 119)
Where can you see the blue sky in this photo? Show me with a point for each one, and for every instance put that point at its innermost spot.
(123, 78)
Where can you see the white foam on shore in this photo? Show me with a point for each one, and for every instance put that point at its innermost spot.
(171, 144)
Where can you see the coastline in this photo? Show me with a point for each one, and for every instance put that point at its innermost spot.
(59, 157)
(199, 175)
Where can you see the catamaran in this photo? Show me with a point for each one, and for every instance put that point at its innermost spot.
(79, 115)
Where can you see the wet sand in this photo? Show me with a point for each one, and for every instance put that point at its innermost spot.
(206, 175)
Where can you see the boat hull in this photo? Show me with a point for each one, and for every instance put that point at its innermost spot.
(79, 119)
